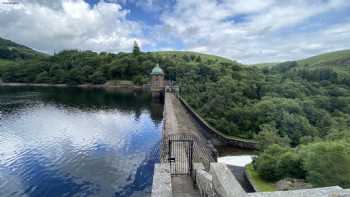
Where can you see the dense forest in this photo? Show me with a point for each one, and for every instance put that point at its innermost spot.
(298, 111)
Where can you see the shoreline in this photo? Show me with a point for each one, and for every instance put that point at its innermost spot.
(102, 86)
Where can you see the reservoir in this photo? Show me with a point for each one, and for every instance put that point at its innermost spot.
(77, 142)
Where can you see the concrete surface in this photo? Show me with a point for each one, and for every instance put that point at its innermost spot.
(183, 187)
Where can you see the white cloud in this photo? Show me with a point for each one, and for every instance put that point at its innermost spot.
(249, 31)
(69, 24)
(252, 31)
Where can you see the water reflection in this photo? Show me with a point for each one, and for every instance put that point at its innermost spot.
(68, 141)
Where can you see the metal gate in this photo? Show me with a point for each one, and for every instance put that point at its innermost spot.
(180, 156)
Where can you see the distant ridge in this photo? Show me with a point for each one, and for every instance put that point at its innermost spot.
(11, 51)
(189, 53)
(335, 58)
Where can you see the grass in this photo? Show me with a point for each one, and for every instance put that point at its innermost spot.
(202, 55)
(326, 58)
(260, 184)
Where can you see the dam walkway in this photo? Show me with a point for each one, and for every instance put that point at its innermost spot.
(183, 143)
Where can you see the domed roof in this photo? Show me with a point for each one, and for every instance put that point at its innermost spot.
(157, 71)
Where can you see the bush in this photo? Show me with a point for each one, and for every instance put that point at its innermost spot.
(278, 162)
(290, 165)
(327, 163)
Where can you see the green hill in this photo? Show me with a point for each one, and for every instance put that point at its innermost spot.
(203, 56)
(12, 51)
(264, 65)
(337, 58)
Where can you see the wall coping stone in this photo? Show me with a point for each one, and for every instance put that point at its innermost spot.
(224, 183)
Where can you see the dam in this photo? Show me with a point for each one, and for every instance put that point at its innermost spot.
(188, 164)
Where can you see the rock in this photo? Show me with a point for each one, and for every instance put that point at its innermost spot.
(292, 184)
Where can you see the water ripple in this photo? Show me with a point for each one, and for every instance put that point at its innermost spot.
(50, 149)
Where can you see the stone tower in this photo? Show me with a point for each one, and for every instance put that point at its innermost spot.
(157, 85)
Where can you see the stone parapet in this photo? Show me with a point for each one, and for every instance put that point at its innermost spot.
(161, 186)
(224, 183)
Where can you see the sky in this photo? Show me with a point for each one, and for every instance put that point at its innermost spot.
(249, 31)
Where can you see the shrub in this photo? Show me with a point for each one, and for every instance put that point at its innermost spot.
(278, 162)
(327, 163)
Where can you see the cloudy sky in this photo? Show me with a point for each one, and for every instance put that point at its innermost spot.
(249, 31)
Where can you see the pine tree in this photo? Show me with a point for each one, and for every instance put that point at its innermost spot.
(136, 49)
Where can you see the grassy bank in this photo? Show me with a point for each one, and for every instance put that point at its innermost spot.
(260, 184)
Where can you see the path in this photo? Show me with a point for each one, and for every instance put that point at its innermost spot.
(179, 125)
(185, 123)
(182, 186)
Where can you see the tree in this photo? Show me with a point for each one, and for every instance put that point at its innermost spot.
(42, 77)
(136, 49)
(267, 163)
(327, 163)
(269, 135)
(97, 78)
(278, 162)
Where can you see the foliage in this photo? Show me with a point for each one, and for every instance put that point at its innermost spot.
(13, 51)
(268, 136)
(278, 162)
(327, 163)
(136, 49)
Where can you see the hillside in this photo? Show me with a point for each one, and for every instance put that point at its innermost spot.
(203, 56)
(263, 65)
(12, 51)
(297, 111)
(337, 58)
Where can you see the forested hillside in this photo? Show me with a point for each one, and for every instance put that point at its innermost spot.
(299, 111)
(12, 51)
(77, 67)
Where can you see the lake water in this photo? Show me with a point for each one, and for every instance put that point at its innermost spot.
(75, 142)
